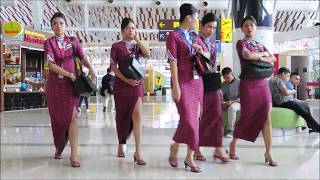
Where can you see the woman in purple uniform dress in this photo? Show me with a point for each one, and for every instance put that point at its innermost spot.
(255, 95)
(187, 85)
(61, 97)
(211, 119)
(128, 93)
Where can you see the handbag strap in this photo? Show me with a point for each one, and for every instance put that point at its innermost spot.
(134, 50)
(78, 71)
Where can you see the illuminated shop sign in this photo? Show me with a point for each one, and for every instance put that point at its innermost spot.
(300, 44)
(34, 37)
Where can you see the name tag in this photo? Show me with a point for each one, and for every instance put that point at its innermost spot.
(68, 46)
(195, 74)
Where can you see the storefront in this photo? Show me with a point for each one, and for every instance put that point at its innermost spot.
(24, 68)
(299, 51)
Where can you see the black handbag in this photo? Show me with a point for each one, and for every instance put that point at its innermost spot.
(211, 81)
(256, 69)
(131, 67)
(201, 64)
(83, 84)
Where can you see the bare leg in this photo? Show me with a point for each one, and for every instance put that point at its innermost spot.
(198, 154)
(190, 152)
(137, 129)
(121, 150)
(232, 149)
(267, 137)
(73, 136)
(189, 158)
(174, 150)
(218, 152)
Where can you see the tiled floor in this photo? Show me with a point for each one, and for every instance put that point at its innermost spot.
(27, 150)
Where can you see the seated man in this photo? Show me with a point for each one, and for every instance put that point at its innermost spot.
(282, 97)
(231, 99)
(293, 82)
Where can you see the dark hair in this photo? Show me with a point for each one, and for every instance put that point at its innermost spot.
(294, 74)
(58, 15)
(185, 10)
(226, 71)
(283, 70)
(250, 18)
(209, 17)
(125, 22)
(109, 70)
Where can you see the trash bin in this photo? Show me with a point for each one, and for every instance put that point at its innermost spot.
(164, 91)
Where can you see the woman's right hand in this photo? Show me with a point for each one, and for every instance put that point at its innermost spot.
(72, 77)
(197, 48)
(176, 93)
(132, 82)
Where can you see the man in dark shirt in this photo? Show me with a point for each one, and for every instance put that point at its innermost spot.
(107, 89)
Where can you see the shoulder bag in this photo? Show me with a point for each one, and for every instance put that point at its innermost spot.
(83, 84)
(131, 67)
(256, 69)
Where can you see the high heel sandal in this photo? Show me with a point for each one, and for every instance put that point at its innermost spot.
(57, 156)
(195, 169)
(233, 157)
(74, 163)
(140, 162)
(121, 154)
(270, 162)
(224, 160)
(172, 160)
(199, 158)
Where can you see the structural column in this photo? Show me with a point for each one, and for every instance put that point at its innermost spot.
(1, 76)
(37, 13)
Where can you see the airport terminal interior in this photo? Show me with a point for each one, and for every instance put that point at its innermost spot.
(30, 113)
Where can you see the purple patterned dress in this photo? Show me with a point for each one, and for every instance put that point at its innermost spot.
(211, 119)
(61, 97)
(125, 95)
(191, 89)
(255, 97)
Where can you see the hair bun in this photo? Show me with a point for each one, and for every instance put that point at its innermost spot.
(185, 10)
